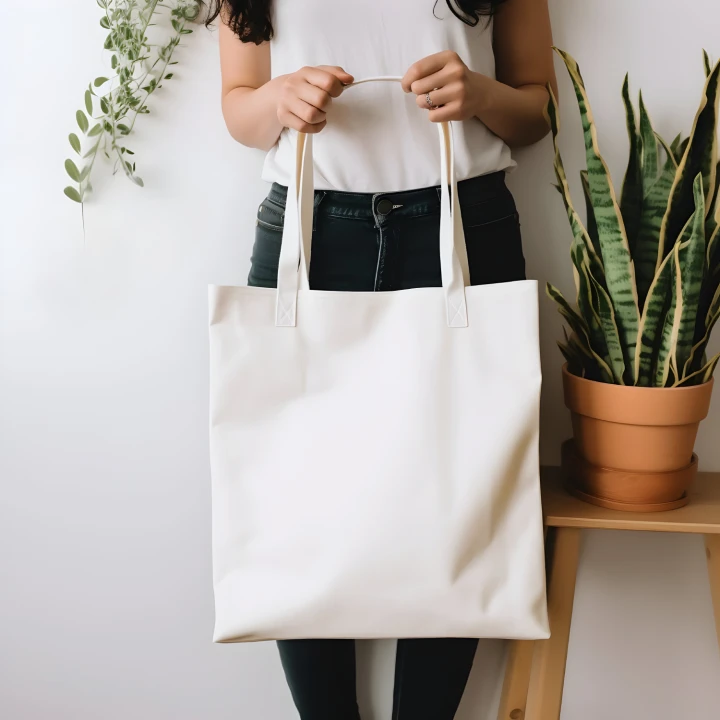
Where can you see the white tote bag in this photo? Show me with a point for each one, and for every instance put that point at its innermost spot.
(374, 456)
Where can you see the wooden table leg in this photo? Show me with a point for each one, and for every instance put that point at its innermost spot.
(548, 670)
(517, 679)
(712, 548)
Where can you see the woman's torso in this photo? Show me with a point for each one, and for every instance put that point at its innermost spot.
(377, 139)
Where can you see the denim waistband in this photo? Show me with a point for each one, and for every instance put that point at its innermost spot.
(404, 204)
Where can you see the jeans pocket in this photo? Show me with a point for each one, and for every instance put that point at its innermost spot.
(265, 254)
(495, 251)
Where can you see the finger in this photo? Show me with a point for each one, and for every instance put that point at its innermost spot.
(314, 96)
(438, 97)
(448, 112)
(305, 111)
(422, 68)
(431, 82)
(327, 81)
(344, 77)
(296, 123)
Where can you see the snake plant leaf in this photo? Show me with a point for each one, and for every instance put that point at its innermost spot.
(667, 335)
(709, 321)
(654, 312)
(675, 147)
(700, 157)
(580, 331)
(650, 154)
(691, 254)
(669, 154)
(589, 306)
(631, 196)
(713, 214)
(605, 310)
(580, 234)
(617, 262)
(680, 153)
(706, 63)
(711, 283)
(647, 249)
(687, 271)
(590, 223)
(700, 376)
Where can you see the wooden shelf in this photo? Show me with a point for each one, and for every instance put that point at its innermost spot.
(700, 516)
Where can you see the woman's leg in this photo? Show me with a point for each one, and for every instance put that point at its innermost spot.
(430, 677)
(321, 677)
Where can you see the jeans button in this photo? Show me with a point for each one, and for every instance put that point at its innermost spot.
(384, 206)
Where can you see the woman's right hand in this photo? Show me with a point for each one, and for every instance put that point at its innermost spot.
(305, 96)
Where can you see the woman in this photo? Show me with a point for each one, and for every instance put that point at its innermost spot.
(485, 64)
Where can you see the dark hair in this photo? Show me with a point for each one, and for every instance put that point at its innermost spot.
(250, 19)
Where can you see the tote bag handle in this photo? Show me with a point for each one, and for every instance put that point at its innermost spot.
(297, 232)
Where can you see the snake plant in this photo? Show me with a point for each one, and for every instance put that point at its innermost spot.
(647, 263)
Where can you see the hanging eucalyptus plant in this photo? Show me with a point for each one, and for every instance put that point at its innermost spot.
(646, 266)
(140, 66)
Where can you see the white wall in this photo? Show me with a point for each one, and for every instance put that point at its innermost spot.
(105, 518)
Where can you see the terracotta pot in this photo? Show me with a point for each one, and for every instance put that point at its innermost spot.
(623, 489)
(647, 435)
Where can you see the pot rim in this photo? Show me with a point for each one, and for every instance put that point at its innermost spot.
(632, 405)
(636, 388)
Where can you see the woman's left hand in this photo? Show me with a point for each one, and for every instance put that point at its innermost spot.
(453, 89)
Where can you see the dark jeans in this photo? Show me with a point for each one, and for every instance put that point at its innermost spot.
(389, 241)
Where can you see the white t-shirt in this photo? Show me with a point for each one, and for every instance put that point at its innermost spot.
(377, 139)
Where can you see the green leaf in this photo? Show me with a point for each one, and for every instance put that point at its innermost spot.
(74, 142)
(701, 156)
(687, 270)
(667, 335)
(617, 262)
(709, 320)
(675, 146)
(124, 129)
(707, 65)
(649, 149)
(647, 251)
(113, 62)
(72, 171)
(631, 197)
(580, 235)
(88, 102)
(95, 130)
(653, 318)
(85, 172)
(73, 194)
(100, 81)
(104, 106)
(168, 76)
(580, 330)
(591, 224)
(703, 375)
(692, 265)
(588, 304)
(82, 120)
(681, 149)
(604, 309)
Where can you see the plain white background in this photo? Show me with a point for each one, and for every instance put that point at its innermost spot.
(105, 517)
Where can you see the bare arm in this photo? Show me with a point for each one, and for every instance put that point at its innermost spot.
(512, 106)
(256, 108)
